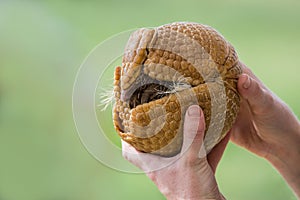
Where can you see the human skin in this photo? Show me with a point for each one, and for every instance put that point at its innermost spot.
(265, 126)
(191, 174)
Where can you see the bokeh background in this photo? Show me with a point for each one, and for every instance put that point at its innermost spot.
(43, 43)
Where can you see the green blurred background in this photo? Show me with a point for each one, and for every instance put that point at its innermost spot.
(43, 43)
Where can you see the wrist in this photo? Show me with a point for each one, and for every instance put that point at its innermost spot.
(173, 197)
(191, 188)
(285, 157)
(191, 193)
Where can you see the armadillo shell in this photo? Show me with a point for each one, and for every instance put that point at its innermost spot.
(164, 71)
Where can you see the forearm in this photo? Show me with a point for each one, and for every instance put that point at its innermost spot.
(286, 158)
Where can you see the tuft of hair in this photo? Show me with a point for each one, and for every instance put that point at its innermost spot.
(177, 85)
(106, 98)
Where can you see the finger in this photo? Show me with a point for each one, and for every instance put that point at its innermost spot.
(145, 161)
(132, 155)
(128, 151)
(255, 93)
(194, 126)
(248, 71)
(216, 153)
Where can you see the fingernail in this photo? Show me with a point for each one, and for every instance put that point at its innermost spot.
(247, 83)
(194, 111)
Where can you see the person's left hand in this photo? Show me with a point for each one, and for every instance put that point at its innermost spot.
(190, 174)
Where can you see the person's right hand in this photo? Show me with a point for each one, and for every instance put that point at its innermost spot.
(267, 127)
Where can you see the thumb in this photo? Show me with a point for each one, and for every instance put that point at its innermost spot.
(255, 93)
(194, 127)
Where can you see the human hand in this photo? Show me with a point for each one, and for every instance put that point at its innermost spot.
(190, 174)
(267, 127)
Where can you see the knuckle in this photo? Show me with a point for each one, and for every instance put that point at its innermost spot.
(257, 90)
(269, 98)
(193, 160)
(152, 176)
(125, 155)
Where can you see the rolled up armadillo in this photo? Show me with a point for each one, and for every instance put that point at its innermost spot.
(164, 71)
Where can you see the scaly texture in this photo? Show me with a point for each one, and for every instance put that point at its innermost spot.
(164, 71)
